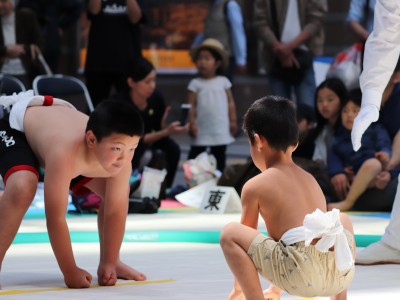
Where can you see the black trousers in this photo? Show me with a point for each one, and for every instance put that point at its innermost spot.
(101, 84)
(218, 151)
(172, 153)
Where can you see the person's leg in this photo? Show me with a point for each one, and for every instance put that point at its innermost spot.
(195, 151)
(395, 158)
(278, 87)
(235, 241)
(123, 271)
(305, 91)
(363, 180)
(367, 201)
(172, 152)
(99, 85)
(138, 156)
(387, 250)
(391, 236)
(18, 194)
(220, 155)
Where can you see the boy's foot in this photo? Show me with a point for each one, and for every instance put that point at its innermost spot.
(378, 253)
(126, 272)
(272, 293)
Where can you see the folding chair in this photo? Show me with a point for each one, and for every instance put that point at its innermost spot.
(10, 84)
(65, 87)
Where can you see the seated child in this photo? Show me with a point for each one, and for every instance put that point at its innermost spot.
(352, 173)
(298, 255)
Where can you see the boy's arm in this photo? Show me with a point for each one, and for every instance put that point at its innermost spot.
(232, 113)
(249, 218)
(115, 211)
(56, 189)
(114, 219)
(250, 207)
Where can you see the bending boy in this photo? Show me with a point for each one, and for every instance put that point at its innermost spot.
(77, 152)
(308, 252)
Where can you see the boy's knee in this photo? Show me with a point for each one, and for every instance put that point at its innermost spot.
(21, 187)
(227, 233)
(372, 164)
(346, 222)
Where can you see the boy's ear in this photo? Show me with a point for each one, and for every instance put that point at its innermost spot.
(259, 142)
(90, 138)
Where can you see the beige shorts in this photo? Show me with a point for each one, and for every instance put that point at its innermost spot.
(298, 269)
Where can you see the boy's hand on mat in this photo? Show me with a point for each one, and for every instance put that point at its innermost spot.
(77, 279)
(107, 274)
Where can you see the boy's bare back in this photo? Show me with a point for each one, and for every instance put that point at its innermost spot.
(60, 132)
(284, 193)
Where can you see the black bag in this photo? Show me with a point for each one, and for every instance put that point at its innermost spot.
(293, 75)
(144, 205)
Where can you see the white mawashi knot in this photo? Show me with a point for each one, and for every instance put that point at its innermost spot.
(328, 228)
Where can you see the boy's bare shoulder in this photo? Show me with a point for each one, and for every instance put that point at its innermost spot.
(279, 182)
(54, 131)
(261, 183)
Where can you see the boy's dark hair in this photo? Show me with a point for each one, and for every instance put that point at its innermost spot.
(273, 118)
(354, 96)
(111, 116)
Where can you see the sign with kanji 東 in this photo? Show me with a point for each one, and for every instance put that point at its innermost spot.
(219, 200)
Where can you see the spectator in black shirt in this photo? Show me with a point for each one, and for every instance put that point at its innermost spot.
(150, 103)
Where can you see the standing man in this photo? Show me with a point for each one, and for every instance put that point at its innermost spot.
(54, 17)
(381, 54)
(287, 27)
(111, 45)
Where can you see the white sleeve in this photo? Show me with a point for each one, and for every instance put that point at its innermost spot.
(226, 82)
(193, 86)
(381, 52)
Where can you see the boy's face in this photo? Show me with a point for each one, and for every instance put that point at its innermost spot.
(349, 113)
(206, 64)
(115, 151)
